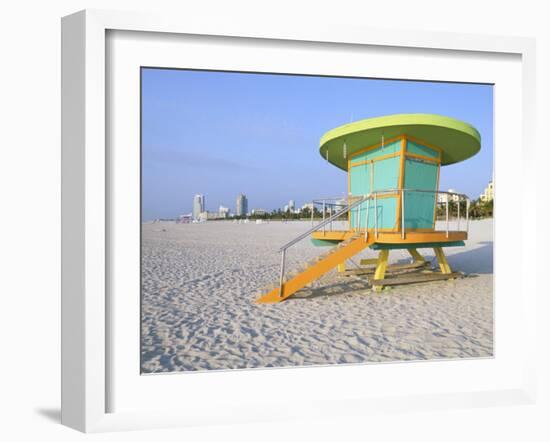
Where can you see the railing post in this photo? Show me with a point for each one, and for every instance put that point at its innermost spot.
(312, 212)
(282, 276)
(376, 215)
(402, 213)
(358, 218)
(367, 220)
(467, 215)
(447, 214)
(458, 214)
(323, 216)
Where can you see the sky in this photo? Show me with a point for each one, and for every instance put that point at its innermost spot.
(225, 133)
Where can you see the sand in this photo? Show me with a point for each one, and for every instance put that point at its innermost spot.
(199, 283)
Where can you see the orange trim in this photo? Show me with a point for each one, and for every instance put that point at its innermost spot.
(401, 180)
(383, 196)
(349, 189)
(365, 149)
(388, 195)
(423, 157)
(384, 157)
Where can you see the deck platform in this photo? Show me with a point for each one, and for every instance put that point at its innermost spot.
(413, 238)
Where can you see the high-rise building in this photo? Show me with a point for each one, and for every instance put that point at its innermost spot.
(242, 205)
(223, 211)
(199, 203)
(291, 205)
(488, 193)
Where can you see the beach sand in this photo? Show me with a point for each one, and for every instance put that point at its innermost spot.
(200, 281)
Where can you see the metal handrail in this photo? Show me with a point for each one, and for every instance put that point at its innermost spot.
(325, 222)
(282, 250)
(400, 193)
(332, 198)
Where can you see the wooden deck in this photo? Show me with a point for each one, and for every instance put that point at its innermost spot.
(413, 237)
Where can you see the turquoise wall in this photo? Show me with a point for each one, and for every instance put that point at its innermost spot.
(386, 211)
(360, 180)
(419, 206)
(378, 152)
(419, 149)
(386, 176)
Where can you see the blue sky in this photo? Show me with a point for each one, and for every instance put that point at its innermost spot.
(222, 133)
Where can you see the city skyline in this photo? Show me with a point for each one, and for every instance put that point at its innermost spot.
(221, 133)
(488, 190)
(290, 204)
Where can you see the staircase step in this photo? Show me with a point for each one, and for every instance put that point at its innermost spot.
(315, 268)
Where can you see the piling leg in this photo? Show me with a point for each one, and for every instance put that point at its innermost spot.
(442, 260)
(381, 268)
(416, 256)
(342, 267)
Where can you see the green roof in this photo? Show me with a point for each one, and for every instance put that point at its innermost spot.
(457, 139)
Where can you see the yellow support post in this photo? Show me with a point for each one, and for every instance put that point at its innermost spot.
(381, 268)
(342, 267)
(442, 260)
(416, 256)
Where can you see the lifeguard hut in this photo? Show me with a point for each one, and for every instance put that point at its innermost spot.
(393, 166)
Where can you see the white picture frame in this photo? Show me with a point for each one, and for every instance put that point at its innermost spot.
(86, 314)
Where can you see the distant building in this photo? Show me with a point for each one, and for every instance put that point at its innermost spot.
(488, 193)
(291, 205)
(242, 205)
(442, 197)
(185, 219)
(307, 206)
(454, 198)
(199, 203)
(341, 203)
(259, 212)
(223, 211)
(285, 208)
(208, 216)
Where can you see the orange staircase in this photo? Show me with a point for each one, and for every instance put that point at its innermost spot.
(316, 268)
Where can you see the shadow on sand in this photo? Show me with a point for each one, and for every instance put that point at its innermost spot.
(472, 262)
(476, 261)
(346, 287)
